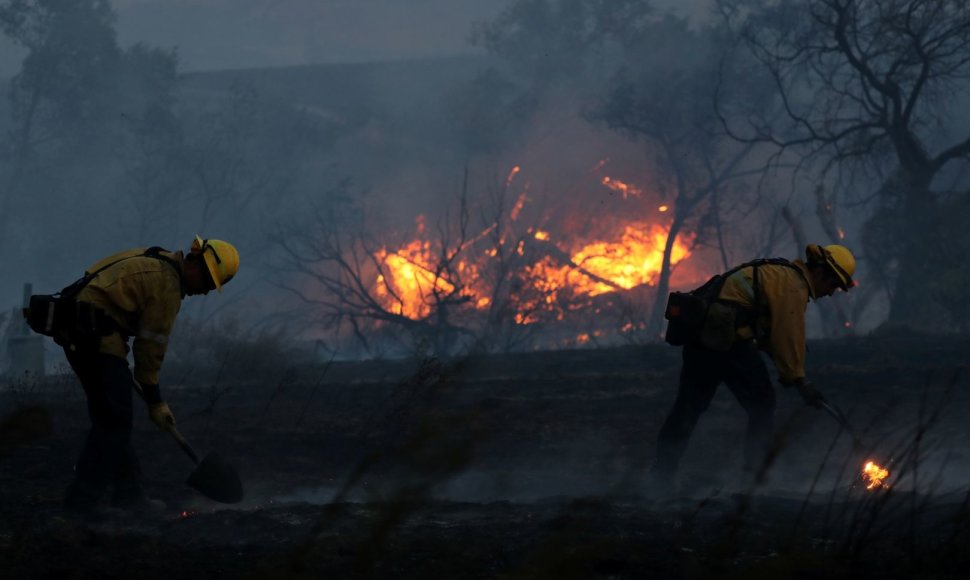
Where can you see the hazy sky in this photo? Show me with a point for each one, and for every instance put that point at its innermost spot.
(215, 34)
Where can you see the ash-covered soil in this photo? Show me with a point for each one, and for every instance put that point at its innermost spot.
(512, 466)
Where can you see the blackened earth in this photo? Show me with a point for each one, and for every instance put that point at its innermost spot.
(512, 466)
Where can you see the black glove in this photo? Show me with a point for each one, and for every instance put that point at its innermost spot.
(809, 393)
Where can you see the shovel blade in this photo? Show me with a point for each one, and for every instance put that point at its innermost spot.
(216, 479)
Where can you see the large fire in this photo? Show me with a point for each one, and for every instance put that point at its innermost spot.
(411, 279)
(874, 475)
(410, 282)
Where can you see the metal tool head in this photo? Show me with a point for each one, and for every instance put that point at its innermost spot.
(216, 479)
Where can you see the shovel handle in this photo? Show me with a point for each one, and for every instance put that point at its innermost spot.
(840, 418)
(172, 430)
(183, 444)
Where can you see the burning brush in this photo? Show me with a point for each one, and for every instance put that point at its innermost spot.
(873, 475)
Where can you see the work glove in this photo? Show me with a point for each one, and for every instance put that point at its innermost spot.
(809, 393)
(161, 415)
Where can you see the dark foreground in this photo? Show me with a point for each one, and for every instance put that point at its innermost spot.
(525, 466)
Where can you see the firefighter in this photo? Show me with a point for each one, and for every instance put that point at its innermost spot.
(134, 294)
(766, 313)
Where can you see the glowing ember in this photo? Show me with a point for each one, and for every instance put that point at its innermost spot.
(517, 208)
(617, 185)
(512, 174)
(542, 236)
(187, 514)
(874, 475)
(663, 208)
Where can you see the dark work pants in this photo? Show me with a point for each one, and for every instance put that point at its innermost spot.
(744, 372)
(107, 457)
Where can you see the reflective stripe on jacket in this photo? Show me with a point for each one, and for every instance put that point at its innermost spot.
(783, 293)
(143, 295)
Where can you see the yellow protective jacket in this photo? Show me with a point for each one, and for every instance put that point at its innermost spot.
(783, 295)
(143, 295)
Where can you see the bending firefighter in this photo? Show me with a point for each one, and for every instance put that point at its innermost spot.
(134, 294)
(759, 305)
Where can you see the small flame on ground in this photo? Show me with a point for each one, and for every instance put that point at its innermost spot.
(663, 208)
(874, 475)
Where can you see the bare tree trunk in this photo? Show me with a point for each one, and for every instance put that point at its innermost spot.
(655, 322)
(910, 306)
(834, 318)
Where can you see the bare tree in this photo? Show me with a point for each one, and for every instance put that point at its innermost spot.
(692, 160)
(864, 83)
(347, 278)
(64, 85)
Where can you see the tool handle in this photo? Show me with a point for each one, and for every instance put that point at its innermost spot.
(837, 414)
(172, 430)
(183, 444)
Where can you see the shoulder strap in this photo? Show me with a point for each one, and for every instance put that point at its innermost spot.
(153, 252)
(156, 252)
(756, 302)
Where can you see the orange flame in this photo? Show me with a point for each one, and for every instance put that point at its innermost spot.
(874, 475)
(409, 280)
(633, 260)
(554, 277)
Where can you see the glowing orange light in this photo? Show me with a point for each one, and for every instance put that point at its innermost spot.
(517, 208)
(411, 281)
(874, 475)
(515, 171)
(633, 260)
(617, 185)
(556, 275)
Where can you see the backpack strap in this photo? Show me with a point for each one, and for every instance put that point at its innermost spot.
(756, 300)
(75, 287)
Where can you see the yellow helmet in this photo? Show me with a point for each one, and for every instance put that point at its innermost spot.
(839, 260)
(221, 258)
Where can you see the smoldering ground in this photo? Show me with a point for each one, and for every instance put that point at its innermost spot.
(527, 465)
